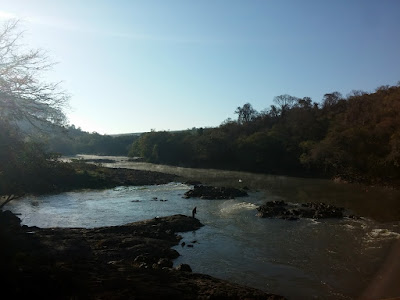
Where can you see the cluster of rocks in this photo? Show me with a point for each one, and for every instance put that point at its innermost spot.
(291, 211)
(132, 261)
(156, 199)
(214, 193)
(189, 245)
(152, 199)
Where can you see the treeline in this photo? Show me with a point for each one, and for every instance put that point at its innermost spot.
(71, 140)
(356, 138)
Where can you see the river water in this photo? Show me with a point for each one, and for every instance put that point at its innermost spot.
(305, 259)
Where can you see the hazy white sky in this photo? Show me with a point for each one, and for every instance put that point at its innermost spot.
(132, 66)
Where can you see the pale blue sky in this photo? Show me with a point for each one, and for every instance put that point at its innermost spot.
(131, 66)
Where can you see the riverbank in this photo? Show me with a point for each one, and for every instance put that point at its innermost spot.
(117, 262)
(86, 175)
(77, 175)
(357, 179)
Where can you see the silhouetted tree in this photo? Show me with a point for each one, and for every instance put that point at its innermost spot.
(331, 99)
(24, 96)
(246, 113)
(285, 102)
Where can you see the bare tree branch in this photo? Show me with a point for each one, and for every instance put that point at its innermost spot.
(7, 199)
(23, 95)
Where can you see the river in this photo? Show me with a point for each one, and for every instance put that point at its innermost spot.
(305, 259)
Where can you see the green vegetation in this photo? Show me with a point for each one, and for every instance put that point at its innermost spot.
(26, 168)
(71, 141)
(356, 138)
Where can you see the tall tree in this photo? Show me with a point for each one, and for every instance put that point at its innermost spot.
(25, 98)
(23, 95)
(285, 102)
(331, 99)
(246, 113)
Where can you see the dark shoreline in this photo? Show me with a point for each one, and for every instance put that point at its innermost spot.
(117, 262)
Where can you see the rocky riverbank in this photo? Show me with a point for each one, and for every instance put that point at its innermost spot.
(132, 261)
(111, 177)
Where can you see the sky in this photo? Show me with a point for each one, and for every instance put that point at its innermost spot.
(136, 66)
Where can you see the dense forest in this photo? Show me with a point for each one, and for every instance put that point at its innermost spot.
(355, 138)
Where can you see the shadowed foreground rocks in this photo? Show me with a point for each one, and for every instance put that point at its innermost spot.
(133, 261)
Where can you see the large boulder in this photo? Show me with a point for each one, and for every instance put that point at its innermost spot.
(9, 220)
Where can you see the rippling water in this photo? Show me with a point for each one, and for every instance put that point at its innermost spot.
(328, 259)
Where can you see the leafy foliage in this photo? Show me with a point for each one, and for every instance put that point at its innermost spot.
(356, 138)
(24, 166)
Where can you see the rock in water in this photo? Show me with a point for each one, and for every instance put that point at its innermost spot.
(214, 193)
(290, 211)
